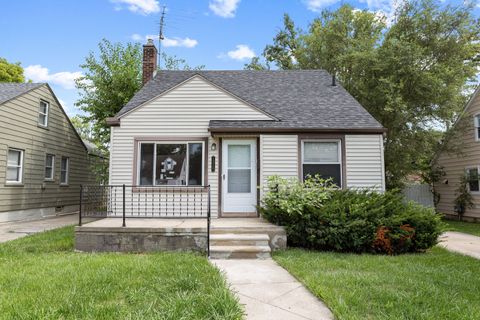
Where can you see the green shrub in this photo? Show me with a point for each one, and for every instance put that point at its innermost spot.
(317, 215)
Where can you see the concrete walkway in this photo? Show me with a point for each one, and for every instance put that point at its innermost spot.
(464, 243)
(269, 292)
(18, 229)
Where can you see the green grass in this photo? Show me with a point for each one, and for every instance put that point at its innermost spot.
(462, 226)
(434, 285)
(41, 277)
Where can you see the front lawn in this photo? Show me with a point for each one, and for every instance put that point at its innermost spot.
(41, 277)
(462, 226)
(434, 285)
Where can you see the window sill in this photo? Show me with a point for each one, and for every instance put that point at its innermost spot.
(14, 184)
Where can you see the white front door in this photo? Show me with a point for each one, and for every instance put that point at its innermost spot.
(239, 176)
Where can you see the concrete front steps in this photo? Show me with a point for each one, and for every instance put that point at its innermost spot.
(239, 245)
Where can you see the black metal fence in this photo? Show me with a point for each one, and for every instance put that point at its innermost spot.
(129, 201)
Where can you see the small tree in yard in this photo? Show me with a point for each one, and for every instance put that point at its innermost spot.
(463, 198)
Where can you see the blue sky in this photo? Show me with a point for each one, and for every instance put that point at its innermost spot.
(51, 38)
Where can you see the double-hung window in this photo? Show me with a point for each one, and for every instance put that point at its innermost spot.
(324, 158)
(473, 179)
(64, 168)
(43, 113)
(14, 166)
(170, 163)
(49, 166)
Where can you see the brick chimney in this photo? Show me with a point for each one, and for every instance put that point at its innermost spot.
(149, 61)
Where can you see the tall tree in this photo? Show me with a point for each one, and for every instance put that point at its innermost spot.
(411, 75)
(110, 80)
(11, 72)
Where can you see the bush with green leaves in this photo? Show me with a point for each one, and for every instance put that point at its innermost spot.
(317, 215)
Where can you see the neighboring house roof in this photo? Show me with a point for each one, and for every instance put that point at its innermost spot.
(8, 90)
(296, 99)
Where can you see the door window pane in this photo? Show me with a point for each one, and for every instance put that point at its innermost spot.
(239, 180)
(320, 152)
(195, 159)
(239, 156)
(171, 164)
(146, 164)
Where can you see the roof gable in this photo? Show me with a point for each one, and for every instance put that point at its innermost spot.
(186, 84)
(295, 98)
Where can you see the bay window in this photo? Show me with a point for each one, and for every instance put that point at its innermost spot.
(322, 157)
(170, 164)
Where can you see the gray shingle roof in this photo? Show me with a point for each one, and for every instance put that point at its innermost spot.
(299, 99)
(9, 91)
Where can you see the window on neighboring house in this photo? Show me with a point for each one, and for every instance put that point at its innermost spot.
(476, 124)
(43, 113)
(49, 166)
(64, 168)
(322, 158)
(171, 164)
(473, 179)
(14, 166)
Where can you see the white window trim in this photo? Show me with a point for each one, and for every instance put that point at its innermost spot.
(45, 114)
(155, 143)
(20, 176)
(67, 171)
(338, 141)
(53, 167)
(466, 173)
(476, 125)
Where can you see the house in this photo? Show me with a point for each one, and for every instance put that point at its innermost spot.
(231, 130)
(193, 148)
(43, 161)
(466, 161)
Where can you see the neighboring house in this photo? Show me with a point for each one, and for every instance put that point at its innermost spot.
(467, 162)
(233, 129)
(43, 161)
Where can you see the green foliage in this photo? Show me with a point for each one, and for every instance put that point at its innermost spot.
(463, 197)
(411, 75)
(11, 72)
(317, 215)
(110, 80)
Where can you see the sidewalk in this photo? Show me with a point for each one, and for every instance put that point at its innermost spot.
(18, 229)
(269, 292)
(463, 243)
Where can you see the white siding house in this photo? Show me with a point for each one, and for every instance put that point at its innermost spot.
(242, 143)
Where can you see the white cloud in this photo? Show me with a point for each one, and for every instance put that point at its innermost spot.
(318, 5)
(241, 53)
(138, 6)
(224, 8)
(167, 42)
(65, 79)
(179, 42)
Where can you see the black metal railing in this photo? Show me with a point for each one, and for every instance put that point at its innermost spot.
(129, 201)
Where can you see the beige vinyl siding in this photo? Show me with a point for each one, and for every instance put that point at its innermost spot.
(19, 129)
(454, 165)
(278, 156)
(364, 161)
(184, 111)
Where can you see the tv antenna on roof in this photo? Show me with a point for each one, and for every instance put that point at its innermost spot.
(160, 35)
